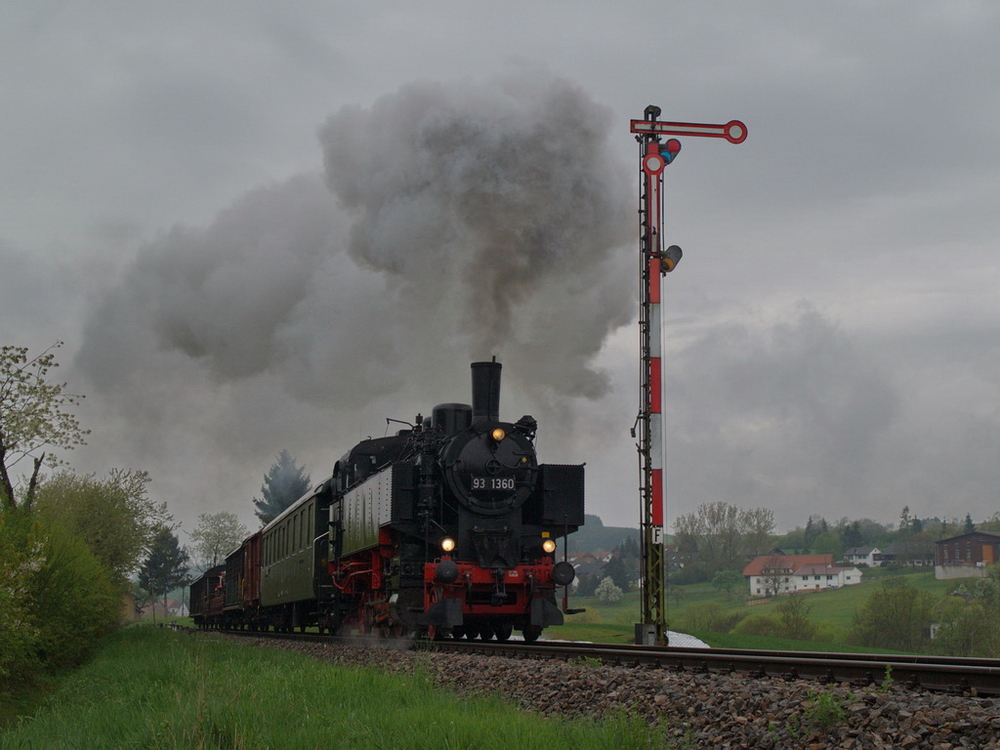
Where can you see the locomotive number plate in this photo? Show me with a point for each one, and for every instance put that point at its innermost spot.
(493, 483)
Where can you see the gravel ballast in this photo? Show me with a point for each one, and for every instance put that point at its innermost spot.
(701, 710)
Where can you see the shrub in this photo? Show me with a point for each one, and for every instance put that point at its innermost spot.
(55, 597)
(711, 616)
(75, 601)
(828, 632)
(763, 625)
(20, 559)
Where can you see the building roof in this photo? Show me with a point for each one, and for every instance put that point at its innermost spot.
(860, 551)
(815, 570)
(982, 536)
(758, 565)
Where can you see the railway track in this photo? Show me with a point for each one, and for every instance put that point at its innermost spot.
(970, 676)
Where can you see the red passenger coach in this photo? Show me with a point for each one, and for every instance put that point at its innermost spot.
(243, 584)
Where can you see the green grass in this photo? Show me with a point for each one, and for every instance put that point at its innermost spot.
(835, 609)
(150, 688)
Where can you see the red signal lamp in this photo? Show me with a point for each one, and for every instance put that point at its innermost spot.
(670, 149)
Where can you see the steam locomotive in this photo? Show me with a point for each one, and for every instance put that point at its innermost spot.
(448, 528)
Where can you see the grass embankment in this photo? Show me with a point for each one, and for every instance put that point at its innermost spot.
(151, 688)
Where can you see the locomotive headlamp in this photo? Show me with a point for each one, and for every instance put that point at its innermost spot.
(447, 544)
(549, 546)
(498, 434)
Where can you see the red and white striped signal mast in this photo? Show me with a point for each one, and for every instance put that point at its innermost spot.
(654, 262)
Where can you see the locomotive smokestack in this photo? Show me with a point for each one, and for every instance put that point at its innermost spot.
(485, 391)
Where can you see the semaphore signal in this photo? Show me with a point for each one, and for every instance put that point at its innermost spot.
(654, 262)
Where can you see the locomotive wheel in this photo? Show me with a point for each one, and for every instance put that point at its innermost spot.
(486, 631)
(531, 634)
(504, 629)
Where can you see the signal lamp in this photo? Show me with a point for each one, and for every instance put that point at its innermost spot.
(447, 544)
(670, 149)
(498, 434)
(671, 257)
(548, 546)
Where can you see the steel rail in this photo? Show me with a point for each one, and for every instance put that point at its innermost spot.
(956, 675)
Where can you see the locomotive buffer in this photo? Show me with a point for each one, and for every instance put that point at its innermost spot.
(654, 262)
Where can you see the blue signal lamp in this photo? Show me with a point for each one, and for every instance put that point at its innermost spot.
(670, 149)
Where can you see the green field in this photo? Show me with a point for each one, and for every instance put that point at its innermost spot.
(832, 611)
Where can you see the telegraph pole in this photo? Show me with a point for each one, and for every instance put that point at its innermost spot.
(654, 262)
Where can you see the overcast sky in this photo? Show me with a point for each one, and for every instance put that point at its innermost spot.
(260, 226)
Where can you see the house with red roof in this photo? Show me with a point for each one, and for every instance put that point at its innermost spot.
(770, 575)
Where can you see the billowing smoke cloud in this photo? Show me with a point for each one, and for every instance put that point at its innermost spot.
(494, 212)
(482, 220)
(455, 222)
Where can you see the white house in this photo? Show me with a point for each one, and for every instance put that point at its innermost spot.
(770, 575)
(863, 556)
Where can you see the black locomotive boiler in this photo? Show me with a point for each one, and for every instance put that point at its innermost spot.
(450, 526)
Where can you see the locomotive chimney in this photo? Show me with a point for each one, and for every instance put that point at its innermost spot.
(485, 391)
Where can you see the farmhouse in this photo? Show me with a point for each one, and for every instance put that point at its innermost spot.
(966, 555)
(770, 575)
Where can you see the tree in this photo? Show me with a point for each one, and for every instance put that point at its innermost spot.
(34, 415)
(616, 570)
(851, 536)
(607, 592)
(166, 568)
(284, 483)
(970, 621)
(728, 580)
(719, 536)
(215, 536)
(113, 516)
(896, 616)
(793, 618)
(970, 526)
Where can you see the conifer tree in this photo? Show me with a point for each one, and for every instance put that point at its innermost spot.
(166, 568)
(284, 483)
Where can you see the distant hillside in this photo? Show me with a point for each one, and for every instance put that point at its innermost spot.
(594, 536)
